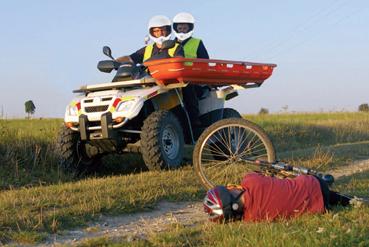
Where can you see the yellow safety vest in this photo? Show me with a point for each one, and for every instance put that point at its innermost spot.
(190, 48)
(149, 49)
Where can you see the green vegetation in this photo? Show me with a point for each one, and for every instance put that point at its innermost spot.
(27, 152)
(364, 107)
(341, 227)
(38, 199)
(30, 108)
(263, 111)
(51, 208)
(297, 131)
(325, 139)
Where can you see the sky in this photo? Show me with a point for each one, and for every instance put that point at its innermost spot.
(49, 48)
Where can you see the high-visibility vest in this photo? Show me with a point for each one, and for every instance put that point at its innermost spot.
(190, 48)
(149, 49)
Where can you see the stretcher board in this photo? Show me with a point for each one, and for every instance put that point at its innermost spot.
(208, 71)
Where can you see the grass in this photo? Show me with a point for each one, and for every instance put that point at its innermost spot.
(47, 209)
(38, 199)
(28, 158)
(339, 227)
(333, 229)
(27, 153)
(297, 131)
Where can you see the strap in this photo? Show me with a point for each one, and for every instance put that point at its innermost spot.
(172, 50)
(148, 52)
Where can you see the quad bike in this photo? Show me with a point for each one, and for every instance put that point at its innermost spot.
(142, 110)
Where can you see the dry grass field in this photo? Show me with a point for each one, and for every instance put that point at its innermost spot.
(38, 199)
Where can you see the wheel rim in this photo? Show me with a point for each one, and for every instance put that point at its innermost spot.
(170, 142)
(225, 153)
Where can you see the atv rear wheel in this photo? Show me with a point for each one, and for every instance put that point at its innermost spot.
(73, 158)
(162, 141)
(230, 113)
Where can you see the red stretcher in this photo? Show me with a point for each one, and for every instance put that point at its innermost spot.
(208, 71)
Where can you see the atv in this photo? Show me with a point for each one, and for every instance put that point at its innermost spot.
(142, 110)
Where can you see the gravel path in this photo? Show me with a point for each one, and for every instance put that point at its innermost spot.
(350, 169)
(135, 226)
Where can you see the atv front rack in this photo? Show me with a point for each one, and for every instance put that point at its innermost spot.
(116, 85)
(208, 71)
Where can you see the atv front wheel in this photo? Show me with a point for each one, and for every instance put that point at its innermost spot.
(73, 158)
(162, 141)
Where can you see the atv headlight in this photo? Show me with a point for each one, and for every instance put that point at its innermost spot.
(72, 110)
(125, 105)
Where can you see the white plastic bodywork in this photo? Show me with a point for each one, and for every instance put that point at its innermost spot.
(211, 103)
(216, 99)
(107, 97)
(105, 94)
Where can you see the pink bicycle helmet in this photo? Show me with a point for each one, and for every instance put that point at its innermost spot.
(221, 205)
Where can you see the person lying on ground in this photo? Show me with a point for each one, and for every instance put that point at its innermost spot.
(262, 197)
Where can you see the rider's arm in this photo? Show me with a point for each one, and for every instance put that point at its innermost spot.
(136, 57)
(124, 59)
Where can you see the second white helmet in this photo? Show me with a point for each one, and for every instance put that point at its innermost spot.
(160, 21)
(185, 18)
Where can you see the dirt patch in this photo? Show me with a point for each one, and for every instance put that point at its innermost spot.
(350, 169)
(135, 226)
(140, 225)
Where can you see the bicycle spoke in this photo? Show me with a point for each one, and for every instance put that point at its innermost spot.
(214, 163)
(223, 136)
(249, 150)
(240, 138)
(212, 151)
(218, 148)
(245, 139)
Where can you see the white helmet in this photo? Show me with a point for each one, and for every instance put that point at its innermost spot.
(159, 21)
(183, 18)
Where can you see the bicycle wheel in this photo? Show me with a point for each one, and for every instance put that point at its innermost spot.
(225, 150)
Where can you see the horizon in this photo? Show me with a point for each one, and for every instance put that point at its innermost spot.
(282, 112)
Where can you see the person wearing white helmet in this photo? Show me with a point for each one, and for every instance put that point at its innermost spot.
(159, 28)
(183, 26)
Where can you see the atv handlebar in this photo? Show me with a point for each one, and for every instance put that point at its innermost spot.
(107, 66)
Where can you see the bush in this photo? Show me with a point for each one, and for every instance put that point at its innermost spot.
(263, 111)
(364, 108)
